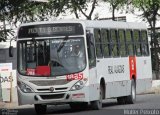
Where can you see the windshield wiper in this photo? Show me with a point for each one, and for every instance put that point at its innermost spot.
(34, 40)
(62, 44)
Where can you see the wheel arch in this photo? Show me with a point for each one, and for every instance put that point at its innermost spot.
(134, 78)
(103, 84)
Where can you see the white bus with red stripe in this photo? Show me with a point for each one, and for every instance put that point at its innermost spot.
(81, 62)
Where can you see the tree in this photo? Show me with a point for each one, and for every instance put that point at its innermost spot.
(115, 5)
(89, 16)
(55, 7)
(75, 5)
(80, 7)
(28, 11)
(4, 32)
(150, 13)
(150, 9)
(13, 12)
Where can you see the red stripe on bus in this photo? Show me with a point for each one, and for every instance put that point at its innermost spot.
(132, 66)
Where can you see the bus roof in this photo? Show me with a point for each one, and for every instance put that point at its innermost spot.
(96, 24)
(115, 24)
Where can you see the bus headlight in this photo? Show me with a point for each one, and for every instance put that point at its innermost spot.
(78, 85)
(24, 88)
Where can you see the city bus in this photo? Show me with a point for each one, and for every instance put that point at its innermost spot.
(81, 63)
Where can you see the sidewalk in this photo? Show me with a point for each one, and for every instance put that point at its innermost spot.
(8, 105)
(13, 106)
(2, 104)
(155, 88)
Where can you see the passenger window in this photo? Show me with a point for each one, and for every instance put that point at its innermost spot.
(145, 47)
(99, 51)
(91, 50)
(123, 51)
(137, 42)
(129, 42)
(114, 41)
(105, 42)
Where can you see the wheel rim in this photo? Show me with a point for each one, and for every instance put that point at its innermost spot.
(133, 92)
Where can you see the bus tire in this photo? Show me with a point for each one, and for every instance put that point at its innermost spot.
(40, 109)
(121, 100)
(131, 99)
(79, 106)
(97, 105)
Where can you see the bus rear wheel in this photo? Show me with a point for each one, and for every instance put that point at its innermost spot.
(40, 109)
(131, 99)
(121, 100)
(98, 103)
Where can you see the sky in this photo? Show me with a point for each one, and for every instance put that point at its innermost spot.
(102, 11)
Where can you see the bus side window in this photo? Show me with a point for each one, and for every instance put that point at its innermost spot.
(145, 47)
(106, 43)
(98, 41)
(91, 50)
(129, 43)
(137, 42)
(122, 40)
(114, 42)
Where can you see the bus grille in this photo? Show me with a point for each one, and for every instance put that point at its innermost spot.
(56, 89)
(54, 96)
(50, 82)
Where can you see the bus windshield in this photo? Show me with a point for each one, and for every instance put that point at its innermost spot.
(51, 57)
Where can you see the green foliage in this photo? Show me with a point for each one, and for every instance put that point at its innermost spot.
(145, 3)
(150, 12)
(13, 12)
(116, 5)
(6, 7)
(5, 33)
(149, 8)
(75, 6)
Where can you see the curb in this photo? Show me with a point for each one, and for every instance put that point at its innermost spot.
(8, 105)
(154, 90)
(2, 105)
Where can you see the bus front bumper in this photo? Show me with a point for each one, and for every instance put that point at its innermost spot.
(53, 98)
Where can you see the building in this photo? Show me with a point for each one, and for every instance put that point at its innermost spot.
(4, 53)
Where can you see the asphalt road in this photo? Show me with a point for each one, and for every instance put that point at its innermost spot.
(148, 104)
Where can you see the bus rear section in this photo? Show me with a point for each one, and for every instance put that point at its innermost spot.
(123, 61)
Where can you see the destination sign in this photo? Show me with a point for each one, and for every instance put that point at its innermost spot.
(48, 30)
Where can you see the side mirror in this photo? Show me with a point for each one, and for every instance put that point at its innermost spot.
(11, 48)
(90, 39)
(11, 51)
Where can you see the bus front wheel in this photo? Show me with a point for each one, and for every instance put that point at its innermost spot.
(79, 106)
(98, 103)
(40, 109)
